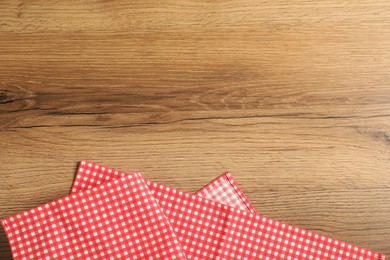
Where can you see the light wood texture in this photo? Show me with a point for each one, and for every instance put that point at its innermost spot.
(293, 97)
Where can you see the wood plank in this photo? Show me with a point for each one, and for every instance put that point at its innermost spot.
(119, 15)
(293, 97)
(287, 167)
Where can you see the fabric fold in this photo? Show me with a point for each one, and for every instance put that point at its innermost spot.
(224, 232)
(225, 190)
(118, 219)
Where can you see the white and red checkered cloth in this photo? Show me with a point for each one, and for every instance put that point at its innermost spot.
(119, 219)
(225, 190)
(113, 215)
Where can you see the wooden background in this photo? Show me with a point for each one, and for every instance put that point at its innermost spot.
(293, 97)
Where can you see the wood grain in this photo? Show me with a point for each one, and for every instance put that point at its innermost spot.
(293, 97)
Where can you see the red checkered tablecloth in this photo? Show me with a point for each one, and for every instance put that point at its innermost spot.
(208, 229)
(113, 215)
(119, 219)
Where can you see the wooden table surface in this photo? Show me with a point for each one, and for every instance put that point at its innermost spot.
(293, 97)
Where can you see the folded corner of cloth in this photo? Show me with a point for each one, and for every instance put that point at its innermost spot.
(113, 215)
(118, 219)
(224, 189)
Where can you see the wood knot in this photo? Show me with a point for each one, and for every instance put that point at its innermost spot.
(3, 96)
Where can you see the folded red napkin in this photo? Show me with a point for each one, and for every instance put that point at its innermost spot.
(207, 229)
(85, 225)
(202, 228)
(119, 219)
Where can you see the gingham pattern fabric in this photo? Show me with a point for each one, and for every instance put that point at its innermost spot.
(225, 190)
(117, 220)
(210, 230)
(207, 229)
